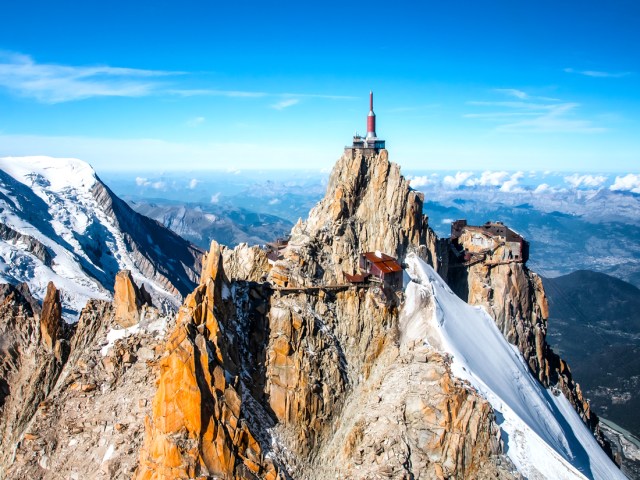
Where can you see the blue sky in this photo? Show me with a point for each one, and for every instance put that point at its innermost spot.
(205, 85)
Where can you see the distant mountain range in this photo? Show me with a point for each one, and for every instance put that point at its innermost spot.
(60, 223)
(570, 227)
(200, 223)
(594, 322)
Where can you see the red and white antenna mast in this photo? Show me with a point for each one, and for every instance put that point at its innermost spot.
(371, 119)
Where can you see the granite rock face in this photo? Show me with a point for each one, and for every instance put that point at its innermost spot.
(258, 378)
(197, 426)
(515, 298)
(128, 299)
(283, 383)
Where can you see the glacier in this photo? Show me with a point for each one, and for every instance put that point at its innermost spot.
(83, 235)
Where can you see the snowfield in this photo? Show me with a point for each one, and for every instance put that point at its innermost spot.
(52, 200)
(543, 436)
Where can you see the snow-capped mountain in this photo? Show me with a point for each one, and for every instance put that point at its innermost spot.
(60, 223)
(544, 437)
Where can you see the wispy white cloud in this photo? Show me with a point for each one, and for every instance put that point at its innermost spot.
(50, 83)
(627, 183)
(289, 102)
(454, 181)
(194, 122)
(142, 182)
(215, 198)
(512, 92)
(213, 92)
(499, 115)
(206, 92)
(512, 104)
(193, 183)
(592, 181)
(558, 118)
(598, 73)
(533, 114)
(413, 108)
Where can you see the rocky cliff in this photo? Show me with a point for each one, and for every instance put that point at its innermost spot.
(515, 298)
(293, 383)
(78, 411)
(274, 368)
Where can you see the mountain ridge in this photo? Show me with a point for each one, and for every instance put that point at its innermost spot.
(280, 368)
(59, 222)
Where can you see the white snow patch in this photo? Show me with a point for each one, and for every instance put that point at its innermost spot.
(108, 455)
(158, 327)
(544, 436)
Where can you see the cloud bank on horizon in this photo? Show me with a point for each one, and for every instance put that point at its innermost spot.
(520, 182)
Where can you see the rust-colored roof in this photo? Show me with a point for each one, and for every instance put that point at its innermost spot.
(357, 278)
(384, 262)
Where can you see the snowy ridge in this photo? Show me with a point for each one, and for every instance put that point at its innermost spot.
(543, 435)
(55, 202)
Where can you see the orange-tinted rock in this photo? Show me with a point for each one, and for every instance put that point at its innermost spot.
(128, 299)
(195, 426)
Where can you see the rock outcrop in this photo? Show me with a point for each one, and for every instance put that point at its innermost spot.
(515, 298)
(263, 382)
(198, 427)
(83, 416)
(33, 351)
(128, 299)
(51, 317)
(368, 206)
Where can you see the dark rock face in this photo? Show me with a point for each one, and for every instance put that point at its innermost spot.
(51, 317)
(160, 254)
(33, 245)
(32, 359)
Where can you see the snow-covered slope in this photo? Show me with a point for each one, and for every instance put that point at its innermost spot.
(543, 435)
(60, 223)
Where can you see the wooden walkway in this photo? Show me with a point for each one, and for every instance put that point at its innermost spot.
(316, 288)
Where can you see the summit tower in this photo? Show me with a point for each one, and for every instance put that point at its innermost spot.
(369, 143)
